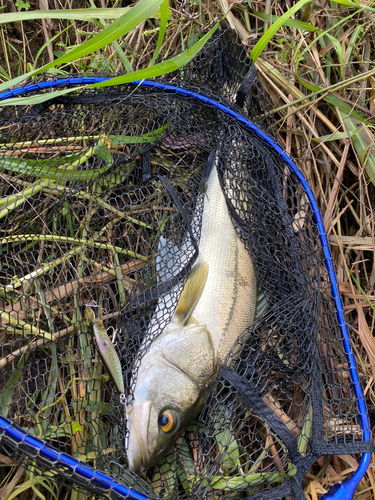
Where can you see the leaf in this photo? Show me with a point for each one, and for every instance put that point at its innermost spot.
(152, 136)
(333, 99)
(340, 55)
(89, 15)
(20, 4)
(187, 467)
(337, 136)
(169, 470)
(135, 16)
(161, 68)
(20, 488)
(165, 14)
(42, 170)
(291, 23)
(363, 142)
(132, 18)
(320, 37)
(305, 434)
(7, 392)
(347, 3)
(102, 152)
(158, 70)
(76, 427)
(355, 41)
(262, 43)
(128, 67)
(50, 40)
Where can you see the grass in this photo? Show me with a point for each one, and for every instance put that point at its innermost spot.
(315, 62)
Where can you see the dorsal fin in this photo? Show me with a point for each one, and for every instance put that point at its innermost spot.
(166, 262)
(171, 259)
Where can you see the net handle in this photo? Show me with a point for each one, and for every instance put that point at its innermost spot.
(337, 492)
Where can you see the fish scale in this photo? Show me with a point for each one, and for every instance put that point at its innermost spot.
(228, 302)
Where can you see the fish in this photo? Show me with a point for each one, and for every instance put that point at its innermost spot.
(216, 305)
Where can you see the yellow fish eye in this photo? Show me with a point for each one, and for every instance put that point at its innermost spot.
(167, 420)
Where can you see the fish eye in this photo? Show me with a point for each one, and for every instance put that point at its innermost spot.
(167, 420)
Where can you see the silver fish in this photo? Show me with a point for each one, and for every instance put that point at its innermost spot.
(216, 305)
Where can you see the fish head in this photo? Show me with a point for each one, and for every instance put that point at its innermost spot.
(170, 390)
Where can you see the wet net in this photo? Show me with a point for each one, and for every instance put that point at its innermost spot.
(103, 195)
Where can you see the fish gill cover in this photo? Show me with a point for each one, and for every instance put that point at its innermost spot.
(107, 208)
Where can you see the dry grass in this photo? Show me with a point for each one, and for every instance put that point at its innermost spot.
(315, 132)
(336, 72)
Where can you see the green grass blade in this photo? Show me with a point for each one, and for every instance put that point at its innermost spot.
(291, 23)
(132, 18)
(334, 100)
(305, 434)
(9, 203)
(260, 46)
(50, 40)
(363, 142)
(162, 68)
(116, 45)
(165, 14)
(25, 328)
(89, 15)
(361, 290)
(348, 3)
(355, 40)
(40, 171)
(135, 16)
(7, 391)
(158, 70)
(122, 57)
(339, 52)
(338, 136)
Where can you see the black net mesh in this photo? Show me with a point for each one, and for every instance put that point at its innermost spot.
(102, 200)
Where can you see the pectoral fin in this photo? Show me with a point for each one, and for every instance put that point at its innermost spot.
(192, 292)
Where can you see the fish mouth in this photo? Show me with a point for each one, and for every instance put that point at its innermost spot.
(137, 447)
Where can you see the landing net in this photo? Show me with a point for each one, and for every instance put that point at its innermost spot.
(92, 182)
